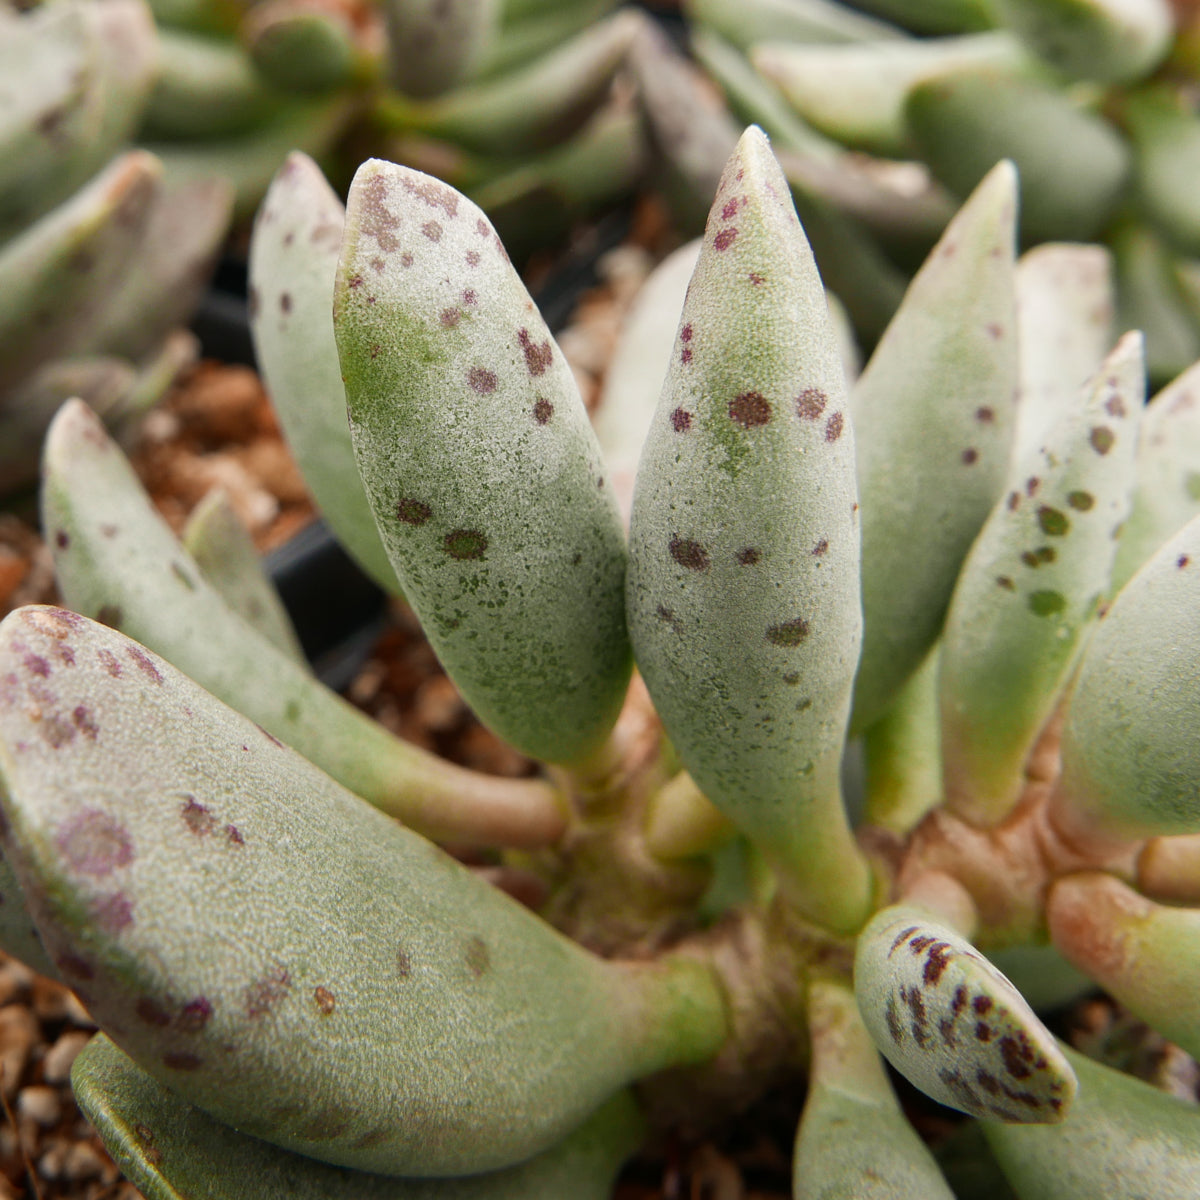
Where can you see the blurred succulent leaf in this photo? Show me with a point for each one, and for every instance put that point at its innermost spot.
(493, 505)
(1145, 955)
(306, 46)
(1074, 165)
(935, 418)
(1031, 588)
(526, 35)
(748, 21)
(1041, 974)
(1168, 869)
(56, 276)
(855, 92)
(1123, 1140)
(1167, 494)
(293, 261)
(934, 16)
(171, 1150)
(1166, 141)
(157, 371)
(434, 45)
(222, 547)
(949, 1022)
(681, 822)
(117, 560)
(848, 1089)
(1111, 41)
(1130, 757)
(529, 108)
(311, 973)
(18, 934)
(1065, 309)
(219, 17)
(743, 578)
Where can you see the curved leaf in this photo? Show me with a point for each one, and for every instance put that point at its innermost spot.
(744, 22)
(286, 957)
(434, 45)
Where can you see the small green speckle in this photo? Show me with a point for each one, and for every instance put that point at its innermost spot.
(292, 710)
(464, 544)
(1053, 521)
(1046, 603)
(1081, 501)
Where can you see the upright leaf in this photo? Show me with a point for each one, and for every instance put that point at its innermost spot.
(435, 45)
(743, 581)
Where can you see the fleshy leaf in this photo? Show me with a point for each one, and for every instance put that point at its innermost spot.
(1065, 302)
(1167, 495)
(855, 93)
(480, 465)
(528, 31)
(934, 16)
(744, 22)
(307, 47)
(1168, 869)
(435, 45)
(743, 580)
(1032, 586)
(1073, 164)
(117, 560)
(285, 956)
(1166, 139)
(935, 416)
(293, 262)
(173, 1151)
(1111, 41)
(1123, 1140)
(1145, 955)
(223, 549)
(948, 1021)
(848, 1090)
(18, 934)
(1130, 755)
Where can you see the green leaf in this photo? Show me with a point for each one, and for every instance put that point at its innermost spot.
(307, 49)
(173, 1151)
(223, 549)
(18, 934)
(1031, 588)
(934, 417)
(433, 46)
(743, 580)
(293, 261)
(116, 560)
(1111, 41)
(934, 16)
(1065, 302)
(854, 1142)
(1166, 140)
(480, 465)
(948, 1021)
(1123, 1140)
(1073, 164)
(744, 22)
(1130, 755)
(286, 957)
(1145, 955)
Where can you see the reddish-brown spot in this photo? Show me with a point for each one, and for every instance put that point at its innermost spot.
(730, 209)
(234, 834)
(62, 539)
(756, 279)
(681, 420)
(688, 554)
(376, 1137)
(112, 913)
(377, 220)
(449, 317)
(433, 192)
(376, 350)
(484, 229)
(406, 259)
(1101, 438)
(464, 544)
(194, 1015)
(936, 962)
(481, 380)
(970, 456)
(478, 957)
(263, 994)
(94, 843)
(1018, 1055)
(984, 415)
(748, 557)
(378, 264)
(788, 634)
(893, 1021)
(403, 963)
(35, 664)
(1182, 561)
(919, 1022)
(197, 818)
(285, 302)
(994, 331)
(1006, 583)
(982, 1004)
(152, 1013)
(983, 1032)
(432, 230)
(685, 355)
(543, 410)
(469, 297)
(473, 258)
(901, 938)
(750, 409)
(145, 663)
(810, 404)
(960, 999)
(538, 356)
(833, 427)
(685, 334)
(413, 512)
(325, 1000)
(1031, 485)
(1014, 501)
(1114, 406)
(725, 238)
(182, 1061)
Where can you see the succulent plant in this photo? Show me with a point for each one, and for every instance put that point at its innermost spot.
(77, 207)
(1093, 99)
(238, 873)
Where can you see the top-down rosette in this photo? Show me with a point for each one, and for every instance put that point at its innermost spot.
(965, 577)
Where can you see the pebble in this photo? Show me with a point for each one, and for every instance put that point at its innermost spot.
(42, 1105)
(56, 1066)
(19, 1033)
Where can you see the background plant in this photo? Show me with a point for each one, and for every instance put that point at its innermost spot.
(927, 559)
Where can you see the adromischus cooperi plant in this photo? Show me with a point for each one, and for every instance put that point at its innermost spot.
(310, 998)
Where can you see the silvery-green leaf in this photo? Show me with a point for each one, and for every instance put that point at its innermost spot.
(286, 957)
(934, 16)
(1032, 586)
(934, 415)
(1145, 955)
(855, 92)
(854, 1142)
(1074, 165)
(1130, 755)
(529, 31)
(56, 276)
(293, 261)
(117, 560)
(743, 577)
(638, 366)
(1112, 41)
(949, 1022)
(18, 934)
(434, 45)
(171, 1150)
(221, 545)
(480, 465)
(1065, 302)
(1166, 141)
(1123, 1140)
(752, 21)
